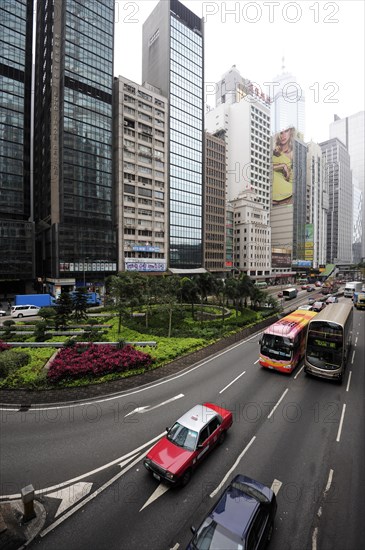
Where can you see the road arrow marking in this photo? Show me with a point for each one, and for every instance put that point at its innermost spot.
(70, 495)
(147, 408)
(161, 489)
(127, 460)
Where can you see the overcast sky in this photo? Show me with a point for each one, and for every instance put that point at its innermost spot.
(322, 43)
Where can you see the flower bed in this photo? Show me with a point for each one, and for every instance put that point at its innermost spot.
(95, 360)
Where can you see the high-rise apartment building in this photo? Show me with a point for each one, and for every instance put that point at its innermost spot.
(338, 178)
(173, 61)
(73, 184)
(252, 236)
(140, 147)
(16, 227)
(351, 131)
(215, 203)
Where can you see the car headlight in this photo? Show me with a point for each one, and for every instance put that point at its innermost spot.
(147, 462)
(170, 476)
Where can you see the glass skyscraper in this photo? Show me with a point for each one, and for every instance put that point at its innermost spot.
(172, 60)
(73, 185)
(16, 228)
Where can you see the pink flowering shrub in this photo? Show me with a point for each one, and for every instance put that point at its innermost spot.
(4, 346)
(96, 360)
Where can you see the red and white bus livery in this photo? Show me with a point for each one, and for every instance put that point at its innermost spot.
(282, 345)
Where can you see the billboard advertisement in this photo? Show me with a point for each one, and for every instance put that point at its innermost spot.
(309, 241)
(282, 164)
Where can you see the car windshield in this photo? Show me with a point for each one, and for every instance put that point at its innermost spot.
(212, 536)
(183, 437)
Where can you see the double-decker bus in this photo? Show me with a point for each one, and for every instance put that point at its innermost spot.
(329, 341)
(282, 344)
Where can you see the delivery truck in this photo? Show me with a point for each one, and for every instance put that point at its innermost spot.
(351, 287)
(39, 300)
(359, 300)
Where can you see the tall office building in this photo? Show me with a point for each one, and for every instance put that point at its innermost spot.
(288, 103)
(215, 203)
(172, 60)
(339, 181)
(289, 209)
(140, 140)
(316, 207)
(16, 227)
(351, 131)
(73, 185)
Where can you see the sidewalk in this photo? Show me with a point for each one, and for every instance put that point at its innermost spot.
(14, 533)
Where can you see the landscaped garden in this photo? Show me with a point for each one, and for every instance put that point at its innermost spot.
(148, 323)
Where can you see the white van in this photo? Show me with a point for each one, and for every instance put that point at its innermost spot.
(24, 311)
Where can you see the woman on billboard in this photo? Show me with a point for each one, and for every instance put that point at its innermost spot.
(283, 167)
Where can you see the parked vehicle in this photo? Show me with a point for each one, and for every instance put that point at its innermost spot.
(92, 298)
(359, 300)
(351, 287)
(242, 518)
(26, 310)
(187, 443)
(39, 300)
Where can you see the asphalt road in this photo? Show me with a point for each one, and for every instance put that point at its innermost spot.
(304, 435)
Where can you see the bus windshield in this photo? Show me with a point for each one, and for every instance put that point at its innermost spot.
(325, 345)
(276, 347)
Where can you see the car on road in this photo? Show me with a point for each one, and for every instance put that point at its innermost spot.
(310, 288)
(311, 301)
(332, 300)
(24, 310)
(280, 294)
(2, 313)
(187, 443)
(307, 307)
(242, 518)
(318, 306)
(304, 287)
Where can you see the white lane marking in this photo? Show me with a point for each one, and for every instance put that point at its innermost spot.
(120, 395)
(329, 482)
(314, 539)
(147, 408)
(256, 361)
(341, 422)
(91, 497)
(319, 513)
(275, 486)
(233, 381)
(70, 495)
(353, 355)
(231, 469)
(87, 474)
(177, 545)
(278, 403)
(124, 462)
(356, 341)
(349, 380)
(161, 489)
(298, 373)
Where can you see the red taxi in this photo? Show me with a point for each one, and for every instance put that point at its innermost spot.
(187, 443)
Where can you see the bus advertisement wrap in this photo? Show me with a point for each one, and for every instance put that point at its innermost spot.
(282, 345)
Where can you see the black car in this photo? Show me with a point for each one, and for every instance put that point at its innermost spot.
(243, 518)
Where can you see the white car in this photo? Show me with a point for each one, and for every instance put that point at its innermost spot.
(307, 307)
(24, 311)
(2, 313)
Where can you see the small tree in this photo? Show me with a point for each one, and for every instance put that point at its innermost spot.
(80, 304)
(64, 310)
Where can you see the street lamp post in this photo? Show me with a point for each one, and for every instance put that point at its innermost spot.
(85, 262)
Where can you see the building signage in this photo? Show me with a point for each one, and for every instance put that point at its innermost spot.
(146, 248)
(145, 264)
(95, 265)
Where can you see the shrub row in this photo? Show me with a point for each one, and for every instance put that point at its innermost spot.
(95, 360)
